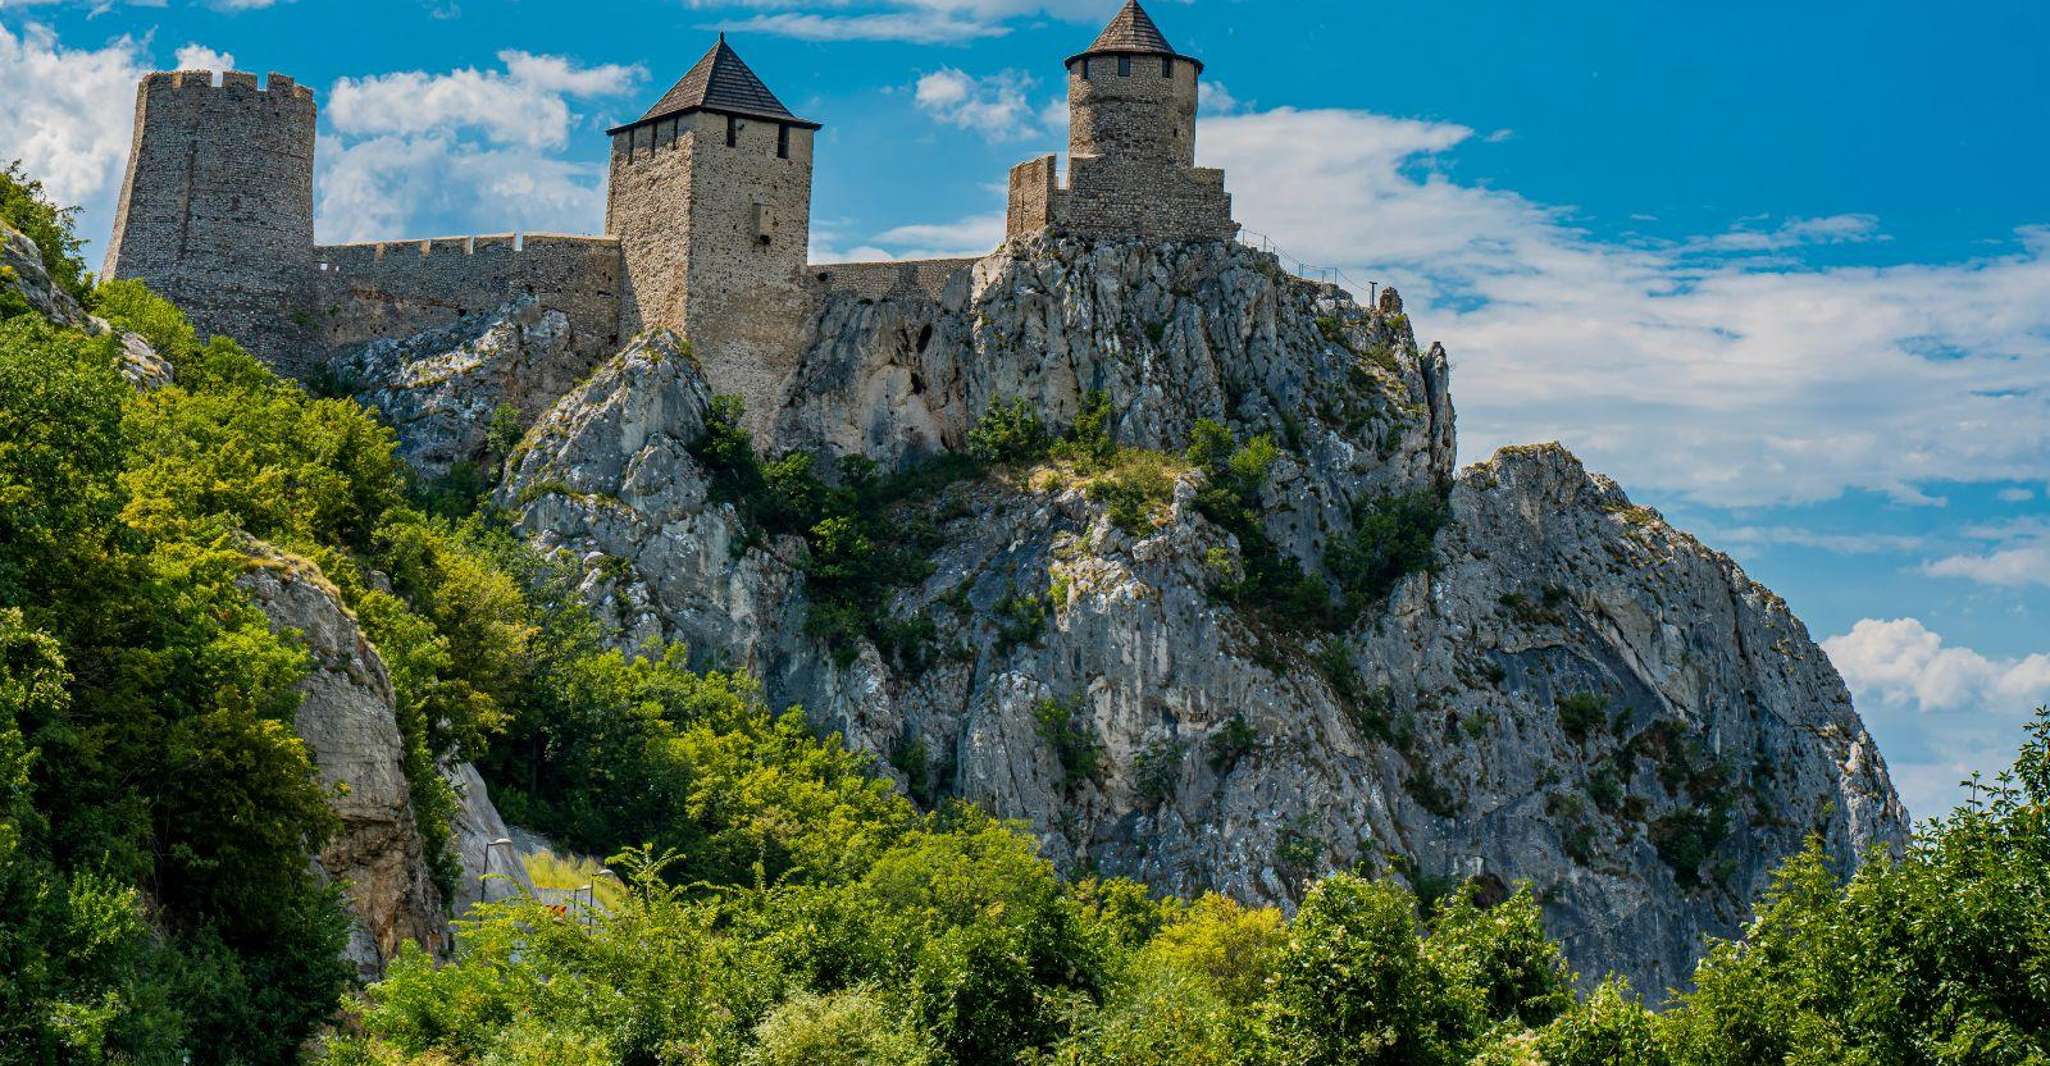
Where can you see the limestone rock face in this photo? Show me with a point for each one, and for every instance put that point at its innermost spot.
(441, 388)
(1573, 694)
(347, 719)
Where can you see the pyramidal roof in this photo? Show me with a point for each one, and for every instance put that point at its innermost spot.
(1133, 32)
(723, 83)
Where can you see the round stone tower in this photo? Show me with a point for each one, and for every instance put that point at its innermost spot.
(1132, 97)
(217, 209)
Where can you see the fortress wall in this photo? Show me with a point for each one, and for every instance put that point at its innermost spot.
(216, 212)
(363, 292)
(875, 281)
(1116, 198)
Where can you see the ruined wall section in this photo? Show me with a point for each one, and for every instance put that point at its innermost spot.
(216, 211)
(925, 278)
(362, 292)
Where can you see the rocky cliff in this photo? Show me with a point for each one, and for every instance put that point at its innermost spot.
(1566, 691)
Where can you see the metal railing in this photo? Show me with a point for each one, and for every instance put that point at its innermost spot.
(1254, 239)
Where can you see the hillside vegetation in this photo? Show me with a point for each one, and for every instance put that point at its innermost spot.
(787, 903)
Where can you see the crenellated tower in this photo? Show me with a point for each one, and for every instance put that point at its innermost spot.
(1131, 146)
(710, 198)
(216, 211)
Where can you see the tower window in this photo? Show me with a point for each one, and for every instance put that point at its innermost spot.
(1124, 66)
(782, 142)
(732, 131)
(1085, 68)
(1167, 66)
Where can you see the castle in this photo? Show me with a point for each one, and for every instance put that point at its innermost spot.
(707, 216)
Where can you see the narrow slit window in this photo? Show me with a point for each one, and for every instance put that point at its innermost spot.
(1085, 68)
(1124, 66)
(732, 131)
(782, 142)
(1167, 66)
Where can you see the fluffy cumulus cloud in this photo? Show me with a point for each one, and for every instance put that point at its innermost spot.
(996, 107)
(1713, 369)
(1946, 710)
(472, 150)
(916, 21)
(68, 114)
(200, 57)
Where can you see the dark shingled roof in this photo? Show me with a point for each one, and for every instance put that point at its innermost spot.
(1133, 32)
(720, 82)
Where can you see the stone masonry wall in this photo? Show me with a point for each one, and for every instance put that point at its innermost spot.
(216, 211)
(1143, 116)
(876, 281)
(647, 207)
(747, 307)
(363, 292)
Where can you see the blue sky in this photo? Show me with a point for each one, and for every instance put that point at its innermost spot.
(1782, 269)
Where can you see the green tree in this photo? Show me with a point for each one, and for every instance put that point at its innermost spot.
(1353, 986)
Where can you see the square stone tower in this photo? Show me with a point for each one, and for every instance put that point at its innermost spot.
(710, 198)
(1131, 147)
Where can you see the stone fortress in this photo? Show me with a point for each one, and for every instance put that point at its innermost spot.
(707, 217)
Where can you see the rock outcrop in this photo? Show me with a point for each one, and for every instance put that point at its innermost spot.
(347, 719)
(1571, 693)
(22, 275)
(443, 389)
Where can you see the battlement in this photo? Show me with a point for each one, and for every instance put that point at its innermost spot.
(341, 258)
(233, 83)
(375, 289)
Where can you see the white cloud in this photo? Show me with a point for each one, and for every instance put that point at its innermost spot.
(1941, 712)
(1841, 543)
(525, 104)
(414, 154)
(2017, 567)
(1212, 98)
(200, 57)
(1903, 661)
(995, 106)
(69, 116)
(2017, 495)
(1696, 369)
(970, 236)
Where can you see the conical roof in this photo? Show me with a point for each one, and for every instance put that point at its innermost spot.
(1133, 32)
(723, 83)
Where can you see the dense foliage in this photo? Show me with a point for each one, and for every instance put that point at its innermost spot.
(23, 207)
(941, 938)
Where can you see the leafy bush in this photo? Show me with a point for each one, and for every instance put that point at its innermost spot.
(1581, 713)
(1156, 771)
(1135, 488)
(1230, 743)
(1076, 750)
(24, 206)
(1392, 537)
(1008, 434)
